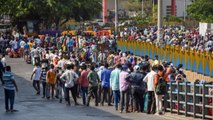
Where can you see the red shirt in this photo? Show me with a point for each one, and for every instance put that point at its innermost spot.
(83, 81)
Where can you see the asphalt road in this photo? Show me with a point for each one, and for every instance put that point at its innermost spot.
(33, 107)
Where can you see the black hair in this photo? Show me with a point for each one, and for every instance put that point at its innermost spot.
(160, 68)
(92, 67)
(69, 67)
(143, 68)
(118, 66)
(72, 66)
(8, 68)
(37, 64)
(84, 67)
(106, 65)
(52, 66)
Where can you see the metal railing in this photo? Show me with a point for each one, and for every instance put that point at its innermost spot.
(190, 99)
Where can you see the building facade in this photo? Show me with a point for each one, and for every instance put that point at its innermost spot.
(175, 7)
(170, 7)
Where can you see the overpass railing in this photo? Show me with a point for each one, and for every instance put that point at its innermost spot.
(190, 99)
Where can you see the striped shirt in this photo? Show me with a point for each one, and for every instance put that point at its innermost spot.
(43, 74)
(8, 81)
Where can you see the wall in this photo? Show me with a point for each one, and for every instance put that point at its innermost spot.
(179, 5)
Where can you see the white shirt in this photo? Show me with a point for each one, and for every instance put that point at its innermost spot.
(61, 64)
(149, 79)
(35, 52)
(37, 74)
(47, 56)
(4, 61)
(70, 77)
(102, 56)
(51, 56)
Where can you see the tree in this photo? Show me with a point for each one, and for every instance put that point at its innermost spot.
(136, 5)
(132, 5)
(201, 10)
(50, 11)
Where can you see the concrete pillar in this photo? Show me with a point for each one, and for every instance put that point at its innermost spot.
(160, 22)
(173, 7)
(104, 10)
(116, 16)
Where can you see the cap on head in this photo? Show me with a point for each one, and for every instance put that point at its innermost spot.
(124, 67)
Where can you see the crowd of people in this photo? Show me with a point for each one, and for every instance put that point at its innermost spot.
(65, 64)
(171, 35)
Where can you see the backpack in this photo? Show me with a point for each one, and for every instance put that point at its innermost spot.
(160, 88)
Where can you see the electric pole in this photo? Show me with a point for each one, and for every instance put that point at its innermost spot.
(159, 20)
(142, 8)
(116, 16)
(184, 12)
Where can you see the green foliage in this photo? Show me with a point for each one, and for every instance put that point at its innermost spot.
(142, 21)
(136, 5)
(202, 10)
(175, 19)
(50, 11)
(132, 5)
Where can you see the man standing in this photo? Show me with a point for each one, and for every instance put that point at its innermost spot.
(105, 76)
(84, 83)
(124, 89)
(114, 84)
(138, 88)
(93, 85)
(61, 62)
(51, 81)
(149, 79)
(9, 89)
(43, 79)
(70, 77)
(35, 53)
(159, 91)
(37, 74)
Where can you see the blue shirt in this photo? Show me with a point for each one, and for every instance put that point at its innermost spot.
(70, 43)
(8, 81)
(26, 46)
(105, 76)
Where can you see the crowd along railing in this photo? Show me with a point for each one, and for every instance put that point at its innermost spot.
(196, 61)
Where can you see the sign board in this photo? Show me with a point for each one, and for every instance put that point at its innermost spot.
(205, 27)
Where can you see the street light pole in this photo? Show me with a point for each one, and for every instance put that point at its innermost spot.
(153, 10)
(184, 12)
(116, 16)
(142, 8)
(159, 20)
